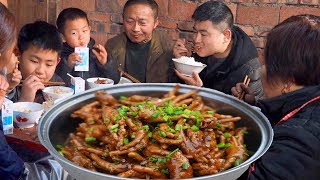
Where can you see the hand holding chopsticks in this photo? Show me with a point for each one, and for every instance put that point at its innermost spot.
(246, 82)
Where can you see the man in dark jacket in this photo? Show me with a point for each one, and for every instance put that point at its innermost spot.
(140, 50)
(226, 50)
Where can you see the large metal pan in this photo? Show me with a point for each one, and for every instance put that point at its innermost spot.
(56, 124)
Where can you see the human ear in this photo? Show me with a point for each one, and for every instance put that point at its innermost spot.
(227, 35)
(156, 23)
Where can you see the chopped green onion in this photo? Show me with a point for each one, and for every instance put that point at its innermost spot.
(218, 125)
(221, 145)
(61, 153)
(185, 116)
(153, 159)
(244, 145)
(198, 122)
(106, 151)
(106, 120)
(170, 122)
(172, 153)
(155, 114)
(246, 154)
(134, 113)
(146, 127)
(162, 134)
(90, 139)
(154, 167)
(58, 146)
(123, 97)
(169, 110)
(226, 135)
(150, 134)
(227, 145)
(185, 166)
(170, 129)
(133, 136)
(90, 129)
(209, 112)
(194, 128)
(245, 132)
(184, 106)
(237, 162)
(141, 108)
(185, 127)
(162, 160)
(117, 118)
(166, 118)
(114, 126)
(187, 111)
(164, 171)
(125, 141)
(178, 112)
(178, 127)
(115, 130)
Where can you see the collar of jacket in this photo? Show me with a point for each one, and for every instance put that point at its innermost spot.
(68, 49)
(155, 50)
(277, 107)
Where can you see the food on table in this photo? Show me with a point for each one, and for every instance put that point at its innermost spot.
(188, 60)
(22, 109)
(101, 81)
(176, 136)
(58, 90)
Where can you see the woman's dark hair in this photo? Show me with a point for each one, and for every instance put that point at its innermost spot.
(214, 11)
(39, 34)
(7, 29)
(69, 14)
(292, 51)
(151, 3)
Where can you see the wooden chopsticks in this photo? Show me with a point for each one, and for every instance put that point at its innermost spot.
(129, 76)
(246, 82)
(48, 83)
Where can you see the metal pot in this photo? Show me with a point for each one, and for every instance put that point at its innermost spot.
(56, 124)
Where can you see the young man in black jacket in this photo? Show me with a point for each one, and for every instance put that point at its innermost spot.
(226, 50)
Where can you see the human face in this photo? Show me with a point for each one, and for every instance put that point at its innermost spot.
(139, 23)
(77, 32)
(209, 40)
(38, 62)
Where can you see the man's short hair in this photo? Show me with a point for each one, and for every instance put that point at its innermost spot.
(69, 14)
(215, 11)
(151, 3)
(41, 35)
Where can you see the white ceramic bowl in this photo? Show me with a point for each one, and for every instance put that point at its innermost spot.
(124, 80)
(187, 69)
(56, 92)
(92, 82)
(26, 114)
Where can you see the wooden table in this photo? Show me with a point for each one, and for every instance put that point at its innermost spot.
(26, 143)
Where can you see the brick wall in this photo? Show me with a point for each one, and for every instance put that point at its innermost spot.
(255, 17)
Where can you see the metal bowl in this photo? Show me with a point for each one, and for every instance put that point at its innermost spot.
(56, 124)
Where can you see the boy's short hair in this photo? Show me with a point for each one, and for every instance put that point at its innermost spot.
(39, 34)
(69, 14)
(151, 3)
(215, 11)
